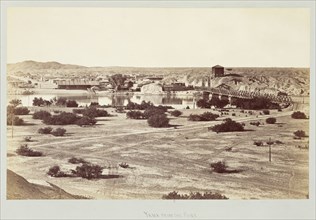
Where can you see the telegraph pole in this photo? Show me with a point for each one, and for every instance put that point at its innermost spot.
(269, 143)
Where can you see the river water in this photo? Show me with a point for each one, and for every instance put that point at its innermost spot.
(178, 102)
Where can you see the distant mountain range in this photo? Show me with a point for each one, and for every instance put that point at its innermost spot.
(294, 81)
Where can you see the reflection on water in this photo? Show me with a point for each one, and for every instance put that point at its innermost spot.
(114, 100)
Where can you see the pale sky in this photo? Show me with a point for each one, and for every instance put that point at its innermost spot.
(160, 37)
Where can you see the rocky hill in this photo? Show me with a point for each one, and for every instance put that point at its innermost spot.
(20, 188)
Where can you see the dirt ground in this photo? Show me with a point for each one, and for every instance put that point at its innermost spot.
(167, 159)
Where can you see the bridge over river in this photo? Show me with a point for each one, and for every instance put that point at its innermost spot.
(231, 94)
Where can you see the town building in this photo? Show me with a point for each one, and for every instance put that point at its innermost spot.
(217, 71)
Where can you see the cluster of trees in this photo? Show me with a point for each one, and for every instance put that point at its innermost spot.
(48, 130)
(57, 101)
(24, 150)
(214, 101)
(91, 112)
(228, 126)
(298, 115)
(194, 195)
(256, 103)
(155, 115)
(67, 118)
(206, 116)
(86, 170)
(13, 110)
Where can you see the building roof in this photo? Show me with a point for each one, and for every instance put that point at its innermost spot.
(77, 83)
(218, 66)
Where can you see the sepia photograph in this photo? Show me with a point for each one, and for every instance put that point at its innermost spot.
(157, 103)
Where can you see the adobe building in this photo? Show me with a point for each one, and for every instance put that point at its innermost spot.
(217, 71)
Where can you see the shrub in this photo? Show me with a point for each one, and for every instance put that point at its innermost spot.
(59, 132)
(270, 120)
(134, 106)
(135, 115)
(194, 117)
(14, 120)
(41, 102)
(88, 171)
(61, 101)
(24, 150)
(75, 160)
(46, 130)
(64, 118)
(228, 126)
(71, 103)
(21, 111)
(298, 115)
(153, 111)
(41, 115)
(176, 113)
(266, 112)
(257, 123)
(124, 165)
(279, 110)
(28, 139)
(86, 121)
(258, 143)
(95, 104)
(158, 121)
(300, 133)
(78, 111)
(196, 195)
(233, 114)
(56, 172)
(219, 167)
(93, 112)
(208, 116)
(202, 103)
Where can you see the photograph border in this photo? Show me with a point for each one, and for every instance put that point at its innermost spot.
(158, 209)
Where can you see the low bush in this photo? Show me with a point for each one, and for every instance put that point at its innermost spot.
(93, 112)
(75, 160)
(78, 111)
(194, 195)
(14, 120)
(21, 111)
(124, 165)
(135, 115)
(88, 171)
(56, 172)
(158, 121)
(258, 143)
(271, 120)
(300, 133)
(41, 115)
(59, 132)
(257, 123)
(64, 118)
(28, 139)
(194, 117)
(298, 115)
(86, 121)
(233, 114)
(228, 126)
(71, 103)
(176, 113)
(206, 116)
(95, 104)
(219, 167)
(46, 130)
(24, 150)
(153, 111)
(266, 112)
